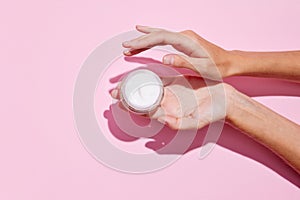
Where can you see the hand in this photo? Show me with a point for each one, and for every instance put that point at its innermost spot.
(194, 107)
(188, 103)
(209, 60)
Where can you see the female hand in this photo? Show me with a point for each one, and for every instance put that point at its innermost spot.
(188, 103)
(194, 107)
(209, 60)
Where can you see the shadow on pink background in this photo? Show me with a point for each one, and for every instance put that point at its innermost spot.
(43, 45)
(231, 138)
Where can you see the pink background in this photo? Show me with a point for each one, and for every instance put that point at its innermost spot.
(43, 45)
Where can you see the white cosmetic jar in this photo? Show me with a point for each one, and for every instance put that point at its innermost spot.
(141, 91)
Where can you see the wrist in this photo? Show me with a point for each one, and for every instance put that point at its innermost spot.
(235, 102)
(224, 100)
(243, 63)
(227, 65)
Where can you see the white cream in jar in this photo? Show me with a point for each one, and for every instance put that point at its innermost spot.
(141, 91)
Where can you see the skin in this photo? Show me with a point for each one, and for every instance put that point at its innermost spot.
(191, 107)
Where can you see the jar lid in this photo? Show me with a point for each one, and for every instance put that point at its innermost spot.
(141, 91)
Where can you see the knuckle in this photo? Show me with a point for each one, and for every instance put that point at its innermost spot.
(189, 32)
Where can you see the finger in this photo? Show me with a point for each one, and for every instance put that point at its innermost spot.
(159, 112)
(115, 92)
(179, 61)
(127, 44)
(131, 52)
(146, 29)
(152, 39)
(181, 41)
(196, 64)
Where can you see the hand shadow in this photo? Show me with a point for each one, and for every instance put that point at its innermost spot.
(168, 141)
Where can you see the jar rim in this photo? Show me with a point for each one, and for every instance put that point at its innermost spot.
(124, 98)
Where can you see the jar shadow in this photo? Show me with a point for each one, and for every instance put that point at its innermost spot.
(168, 141)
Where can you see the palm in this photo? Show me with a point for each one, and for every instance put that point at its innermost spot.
(187, 103)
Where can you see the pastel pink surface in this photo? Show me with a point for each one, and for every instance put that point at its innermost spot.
(43, 45)
(102, 100)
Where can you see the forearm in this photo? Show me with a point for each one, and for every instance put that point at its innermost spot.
(264, 125)
(265, 64)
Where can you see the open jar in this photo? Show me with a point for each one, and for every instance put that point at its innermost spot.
(141, 91)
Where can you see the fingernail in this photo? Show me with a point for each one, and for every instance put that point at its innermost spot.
(139, 26)
(126, 43)
(126, 52)
(114, 93)
(168, 60)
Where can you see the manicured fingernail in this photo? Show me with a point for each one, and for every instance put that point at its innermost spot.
(168, 60)
(126, 43)
(114, 93)
(126, 52)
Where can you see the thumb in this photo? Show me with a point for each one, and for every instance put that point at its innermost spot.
(195, 64)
